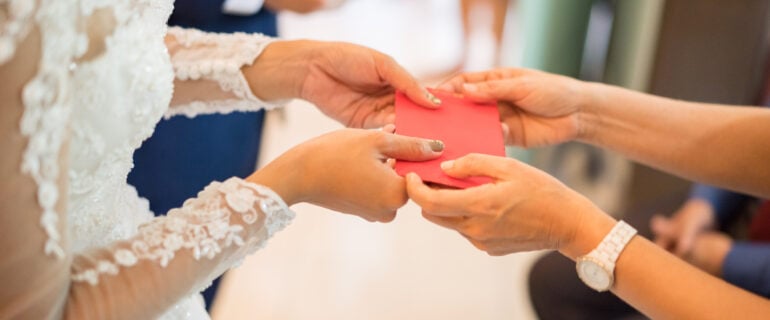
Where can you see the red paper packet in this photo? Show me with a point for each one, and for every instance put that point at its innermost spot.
(463, 125)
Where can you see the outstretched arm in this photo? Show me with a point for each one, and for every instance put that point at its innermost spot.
(208, 70)
(135, 278)
(525, 209)
(169, 257)
(240, 72)
(716, 144)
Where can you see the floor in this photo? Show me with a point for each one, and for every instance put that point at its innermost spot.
(332, 266)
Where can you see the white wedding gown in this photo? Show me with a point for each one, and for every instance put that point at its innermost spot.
(83, 84)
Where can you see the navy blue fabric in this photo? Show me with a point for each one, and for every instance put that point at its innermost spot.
(207, 15)
(747, 265)
(726, 203)
(184, 155)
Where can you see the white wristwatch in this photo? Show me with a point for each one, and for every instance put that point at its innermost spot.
(597, 268)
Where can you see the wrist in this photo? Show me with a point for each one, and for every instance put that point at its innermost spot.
(592, 226)
(284, 186)
(279, 72)
(288, 175)
(592, 102)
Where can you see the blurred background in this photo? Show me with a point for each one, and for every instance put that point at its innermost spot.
(332, 266)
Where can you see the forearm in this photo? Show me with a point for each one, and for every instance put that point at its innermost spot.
(275, 74)
(719, 145)
(663, 286)
(278, 73)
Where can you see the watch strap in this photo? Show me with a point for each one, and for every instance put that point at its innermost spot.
(614, 242)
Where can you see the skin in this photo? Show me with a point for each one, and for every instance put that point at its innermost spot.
(321, 171)
(677, 233)
(689, 234)
(526, 209)
(709, 251)
(356, 86)
(352, 84)
(347, 171)
(711, 142)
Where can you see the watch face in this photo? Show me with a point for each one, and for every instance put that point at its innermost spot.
(594, 274)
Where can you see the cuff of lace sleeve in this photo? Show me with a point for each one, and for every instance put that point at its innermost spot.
(277, 212)
(219, 58)
(196, 108)
(249, 103)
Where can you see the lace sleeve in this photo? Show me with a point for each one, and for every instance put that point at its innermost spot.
(208, 71)
(176, 255)
(140, 277)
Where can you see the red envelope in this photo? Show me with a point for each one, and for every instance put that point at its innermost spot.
(463, 125)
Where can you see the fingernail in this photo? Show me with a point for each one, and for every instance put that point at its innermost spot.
(436, 145)
(446, 165)
(470, 87)
(433, 98)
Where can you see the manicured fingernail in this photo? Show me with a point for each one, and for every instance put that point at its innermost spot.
(446, 165)
(436, 145)
(470, 87)
(433, 98)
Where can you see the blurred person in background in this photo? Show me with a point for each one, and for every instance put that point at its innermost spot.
(478, 17)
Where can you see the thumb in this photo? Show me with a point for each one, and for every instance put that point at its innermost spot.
(479, 165)
(401, 80)
(409, 148)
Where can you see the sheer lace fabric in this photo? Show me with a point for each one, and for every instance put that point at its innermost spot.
(206, 59)
(217, 219)
(84, 83)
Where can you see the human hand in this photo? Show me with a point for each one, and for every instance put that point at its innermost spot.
(523, 209)
(708, 252)
(347, 171)
(678, 233)
(351, 84)
(536, 108)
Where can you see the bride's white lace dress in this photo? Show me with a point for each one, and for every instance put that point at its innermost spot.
(83, 84)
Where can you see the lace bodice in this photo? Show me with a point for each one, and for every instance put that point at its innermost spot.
(86, 81)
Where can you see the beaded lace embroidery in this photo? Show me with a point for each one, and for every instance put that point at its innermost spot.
(202, 225)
